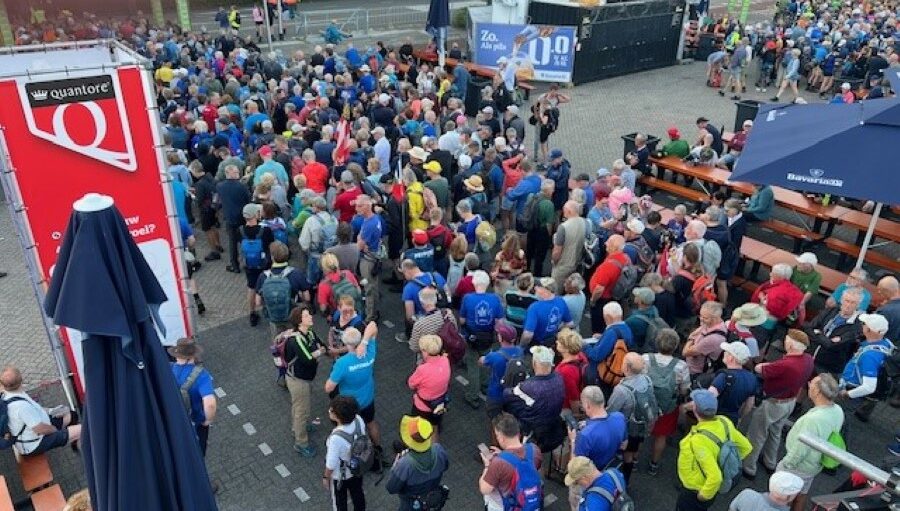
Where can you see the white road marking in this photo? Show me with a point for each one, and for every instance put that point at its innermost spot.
(220, 393)
(234, 409)
(282, 470)
(266, 450)
(249, 429)
(301, 494)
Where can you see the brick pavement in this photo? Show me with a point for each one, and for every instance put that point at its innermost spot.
(238, 358)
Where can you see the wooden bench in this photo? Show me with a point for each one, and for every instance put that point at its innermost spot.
(801, 235)
(6, 503)
(884, 228)
(35, 471)
(48, 499)
(849, 249)
(483, 71)
(650, 182)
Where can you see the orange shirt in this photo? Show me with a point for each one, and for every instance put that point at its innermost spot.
(607, 274)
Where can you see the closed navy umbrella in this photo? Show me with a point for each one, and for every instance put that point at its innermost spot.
(438, 21)
(140, 451)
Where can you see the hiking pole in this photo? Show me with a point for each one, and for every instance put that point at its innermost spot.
(890, 481)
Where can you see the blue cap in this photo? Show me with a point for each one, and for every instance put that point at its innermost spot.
(556, 153)
(705, 403)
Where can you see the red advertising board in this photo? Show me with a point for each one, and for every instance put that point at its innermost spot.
(71, 133)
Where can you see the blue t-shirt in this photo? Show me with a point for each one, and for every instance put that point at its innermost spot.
(545, 317)
(468, 228)
(867, 361)
(593, 501)
(202, 387)
(179, 191)
(496, 362)
(371, 233)
(424, 257)
(730, 401)
(601, 349)
(355, 376)
(481, 311)
(863, 302)
(600, 439)
(412, 288)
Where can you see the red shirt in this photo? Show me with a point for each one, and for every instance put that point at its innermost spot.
(785, 377)
(571, 376)
(327, 300)
(782, 298)
(210, 113)
(607, 274)
(464, 287)
(316, 175)
(343, 203)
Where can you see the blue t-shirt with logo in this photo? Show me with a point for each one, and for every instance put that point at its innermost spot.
(481, 311)
(545, 317)
(496, 361)
(423, 256)
(355, 376)
(867, 361)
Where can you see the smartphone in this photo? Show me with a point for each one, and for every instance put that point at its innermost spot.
(570, 421)
(483, 449)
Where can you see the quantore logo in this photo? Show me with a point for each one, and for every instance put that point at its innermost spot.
(85, 115)
(815, 177)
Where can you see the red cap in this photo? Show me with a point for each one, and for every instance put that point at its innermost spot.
(673, 132)
(770, 45)
(419, 237)
(265, 151)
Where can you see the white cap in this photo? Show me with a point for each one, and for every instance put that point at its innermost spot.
(634, 225)
(875, 322)
(738, 350)
(488, 110)
(384, 99)
(845, 85)
(807, 258)
(785, 483)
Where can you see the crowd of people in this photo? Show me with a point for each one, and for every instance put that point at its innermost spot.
(340, 177)
(841, 49)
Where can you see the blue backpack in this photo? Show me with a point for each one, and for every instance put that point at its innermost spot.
(277, 296)
(252, 250)
(528, 489)
(729, 459)
(234, 143)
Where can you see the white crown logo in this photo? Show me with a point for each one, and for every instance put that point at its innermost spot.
(39, 95)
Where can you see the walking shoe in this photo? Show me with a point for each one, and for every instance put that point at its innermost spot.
(212, 256)
(758, 89)
(894, 448)
(201, 307)
(306, 452)
(735, 97)
(721, 93)
(232, 269)
(764, 89)
(254, 318)
(774, 99)
(653, 469)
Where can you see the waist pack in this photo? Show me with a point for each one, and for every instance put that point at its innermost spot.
(434, 500)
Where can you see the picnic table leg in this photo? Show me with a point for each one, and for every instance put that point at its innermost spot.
(817, 225)
(754, 270)
(860, 237)
(830, 228)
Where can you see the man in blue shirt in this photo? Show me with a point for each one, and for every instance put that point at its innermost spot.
(517, 196)
(545, 317)
(353, 374)
(600, 437)
(369, 243)
(421, 252)
(860, 377)
(415, 281)
(193, 377)
(615, 329)
(496, 362)
(478, 314)
(600, 488)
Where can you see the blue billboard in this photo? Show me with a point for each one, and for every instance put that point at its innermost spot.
(530, 52)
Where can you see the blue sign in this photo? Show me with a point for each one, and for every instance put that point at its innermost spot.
(531, 52)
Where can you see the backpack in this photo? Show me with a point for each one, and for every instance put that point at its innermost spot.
(610, 369)
(644, 412)
(7, 437)
(278, 346)
(620, 500)
(438, 241)
(627, 281)
(362, 450)
(252, 250)
(279, 232)
(235, 143)
(277, 295)
(654, 325)
(837, 441)
(516, 371)
(329, 234)
(343, 287)
(527, 489)
(583, 372)
(664, 382)
(480, 204)
(430, 201)
(529, 214)
(883, 387)
(702, 289)
(442, 301)
(454, 344)
(591, 253)
(646, 256)
(185, 388)
(729, 460)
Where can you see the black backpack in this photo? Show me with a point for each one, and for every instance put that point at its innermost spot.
(442, 301)
(7, 437)
(516, 371)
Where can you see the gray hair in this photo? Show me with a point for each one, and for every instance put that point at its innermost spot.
(680, 209)
(318, 202)
(351, 337)
(428, 296)
(594, 395)
(715, 214)
(698, 227)
(783, 270)
(618, 164)
(480, 280)
(714, 308)
(854, 292)
(613, 309)
(464, 206)
(576, 280)
(548, 185)
(828, 386)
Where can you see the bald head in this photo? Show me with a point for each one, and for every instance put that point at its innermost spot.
(615, 243)
(11, 378)
(889, 287)
(572, 209)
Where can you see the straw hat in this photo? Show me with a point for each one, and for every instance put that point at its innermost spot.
(749, 314)
(417, 153)
(474, 183)
(185, 348)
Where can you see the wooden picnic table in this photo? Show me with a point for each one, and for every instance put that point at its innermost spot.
(858, 220)
(471, 67)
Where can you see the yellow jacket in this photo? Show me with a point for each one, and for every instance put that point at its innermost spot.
(698, 467)
(416, 206)
(233, 19)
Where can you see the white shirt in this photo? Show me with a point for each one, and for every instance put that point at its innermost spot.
(382, 149)
(735, 218)
(337, 453)
(27, 414)
(450, 142)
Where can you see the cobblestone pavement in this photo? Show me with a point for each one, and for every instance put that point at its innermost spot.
(250, 444)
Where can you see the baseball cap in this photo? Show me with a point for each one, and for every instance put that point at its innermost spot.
(579, 466)
(265, 151)
(346, 176)
(875, 322)
(252, 210)
(785, 483)
(705, 403)
(634, 225)
(542, 354)
(644, 295)
(738, 350)
(673, 132)
(419, 237)
(487, 110)
(506, 331)
(387, 177)
(701, 119)
(808, 258)
(603, 172)
(845, 85)
(556, 153)
(432, 166)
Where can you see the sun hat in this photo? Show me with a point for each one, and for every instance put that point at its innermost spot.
(474, 183)
(416, 433)
(417, 153)
(185, 348)
(749, 314)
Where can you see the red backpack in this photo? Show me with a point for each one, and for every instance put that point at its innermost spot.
(703, 289)
(454, 344)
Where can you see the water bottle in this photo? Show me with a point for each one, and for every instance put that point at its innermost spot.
(826, 200)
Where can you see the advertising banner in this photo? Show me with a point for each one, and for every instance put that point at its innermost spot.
(93, 131)
(530, 52)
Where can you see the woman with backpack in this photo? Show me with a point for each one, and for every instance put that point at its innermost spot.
(430, 382)
(335, 284)
(671, 383)
(571, 368)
